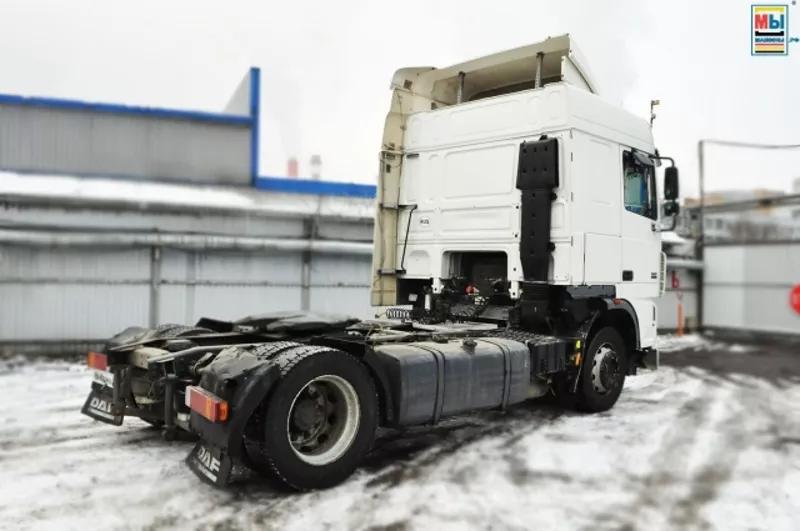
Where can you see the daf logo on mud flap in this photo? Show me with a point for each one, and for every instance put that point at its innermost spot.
(100, 405)
(207, 460)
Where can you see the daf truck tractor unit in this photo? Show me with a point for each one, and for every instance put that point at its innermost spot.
(517, 244)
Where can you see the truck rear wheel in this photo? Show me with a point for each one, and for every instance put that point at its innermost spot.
(603, 371)
(320, 419)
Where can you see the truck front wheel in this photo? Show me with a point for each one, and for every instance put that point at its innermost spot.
(603, 371)
(321, 418)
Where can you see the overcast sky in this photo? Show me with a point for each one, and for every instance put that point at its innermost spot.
(326, 67)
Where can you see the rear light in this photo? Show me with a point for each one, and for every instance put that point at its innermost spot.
(97, 361)
(206, 404)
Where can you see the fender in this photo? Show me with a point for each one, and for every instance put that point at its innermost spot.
(623, 305)
(586, 327)
(583, 336)
(243, 380)
(373, 362)
(247, 400)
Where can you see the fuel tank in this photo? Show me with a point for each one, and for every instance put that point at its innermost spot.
(433, 379)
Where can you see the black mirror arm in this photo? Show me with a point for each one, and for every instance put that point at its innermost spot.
(659, 157)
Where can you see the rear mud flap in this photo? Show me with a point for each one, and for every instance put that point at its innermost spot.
(209, 463)
(100, 406)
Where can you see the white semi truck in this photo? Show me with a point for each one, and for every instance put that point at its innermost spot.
(517, 235)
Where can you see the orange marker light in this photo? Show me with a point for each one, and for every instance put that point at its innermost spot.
(206, 404)
(97, 361)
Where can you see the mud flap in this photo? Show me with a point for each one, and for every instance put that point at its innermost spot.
(651, 359)
(211, 464)
(100, 406)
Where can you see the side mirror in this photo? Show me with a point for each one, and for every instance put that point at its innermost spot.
(671, 208)
(671, 183)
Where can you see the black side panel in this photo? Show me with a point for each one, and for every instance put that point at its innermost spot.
(538, 165)
(537, 176)
(548, 357)
(548, 354)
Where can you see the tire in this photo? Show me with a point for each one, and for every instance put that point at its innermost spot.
(603, 372)
(320, 419)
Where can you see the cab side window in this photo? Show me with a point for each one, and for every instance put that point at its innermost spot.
(639, 182)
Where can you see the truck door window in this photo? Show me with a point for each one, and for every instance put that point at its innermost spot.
(640, 187)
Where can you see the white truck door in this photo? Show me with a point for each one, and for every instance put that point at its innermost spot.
(641, 242)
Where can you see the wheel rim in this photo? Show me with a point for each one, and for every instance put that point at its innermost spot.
(323, 420)
(606, 370)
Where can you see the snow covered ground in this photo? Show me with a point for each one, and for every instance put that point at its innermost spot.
(711, 441)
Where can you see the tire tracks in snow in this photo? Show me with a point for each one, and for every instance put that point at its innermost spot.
(472, 429)
(729, 441)
(465, 432)
(698, 456)
(658, 493)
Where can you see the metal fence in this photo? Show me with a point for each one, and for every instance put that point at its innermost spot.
(64, 294)
(748, 242)
(751, 255)
(749, 286)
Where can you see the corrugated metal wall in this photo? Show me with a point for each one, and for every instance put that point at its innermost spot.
(62, 294)
(747, 287)
(340, 284)
(245, 252)
(66, 141)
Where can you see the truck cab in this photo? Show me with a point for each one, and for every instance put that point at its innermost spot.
(509, 176)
